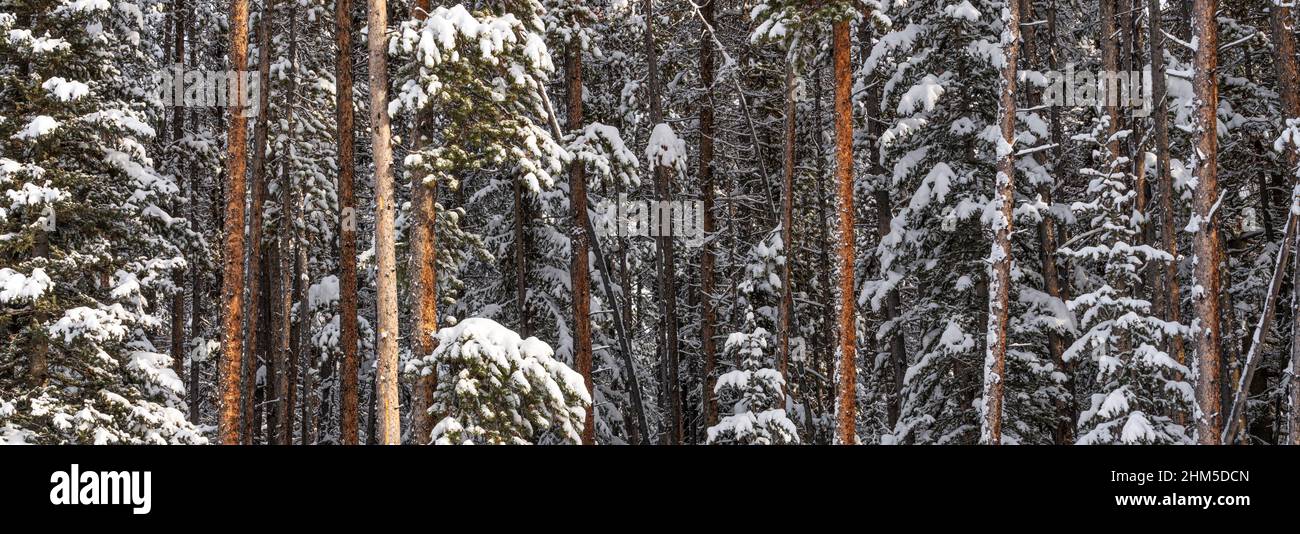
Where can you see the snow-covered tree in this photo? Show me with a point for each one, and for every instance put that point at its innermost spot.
(1140, 388)
(756, 394)
(497, 388)
(86, 240)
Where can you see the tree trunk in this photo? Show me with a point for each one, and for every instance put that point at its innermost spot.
(664, 244)
(1063, 433)
(178, 132)
(348, 428)
(787, 222)
(1000, 255)
(579, 272)
(194, 398)
(232, 288)
(389, 420)
(847, 410)
(1295, 341)
(425, 275)
(1207, 246)
(1173, 299)
(1288, 75)
(708, 345)
(257, 327)
(521, 262)
(289, 217)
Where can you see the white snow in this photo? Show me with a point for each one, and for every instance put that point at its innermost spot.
(964, 10)
(65, 90)
(15, 287)
(925, 94)
(37, 127)
(666, 149)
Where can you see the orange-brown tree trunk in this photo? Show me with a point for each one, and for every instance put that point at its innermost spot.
(424, 195)
(1205, 146)
(1289, 87)
(787, 221)
(232, 287)
(580, 274)
(1172, 297)
(1063, 433)
(289, 215)
(847, 409)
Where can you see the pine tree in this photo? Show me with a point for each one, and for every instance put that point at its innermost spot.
(499, 389)
(755, 392)
(88, 241)
(1138, 384)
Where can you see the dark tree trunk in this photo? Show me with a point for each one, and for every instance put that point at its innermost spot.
(348, 428)
(708, 346)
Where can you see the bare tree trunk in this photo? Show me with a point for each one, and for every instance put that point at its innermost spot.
(787, 221)
(1000, 255)
(289, 216)
(348, 429)
(667, 258)
(580, 271)
(267, 399)
(1063, 432)
(195, 397)
(708, 345)
(847, 410)
(389, 419)
(178, 131)
(1207, 246)
(232, 289)
(257, 326)
(425, 275)
(521, 253)
(1173, 299)
(1289, 87)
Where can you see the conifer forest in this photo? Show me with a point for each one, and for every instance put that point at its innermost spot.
(649, 222)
